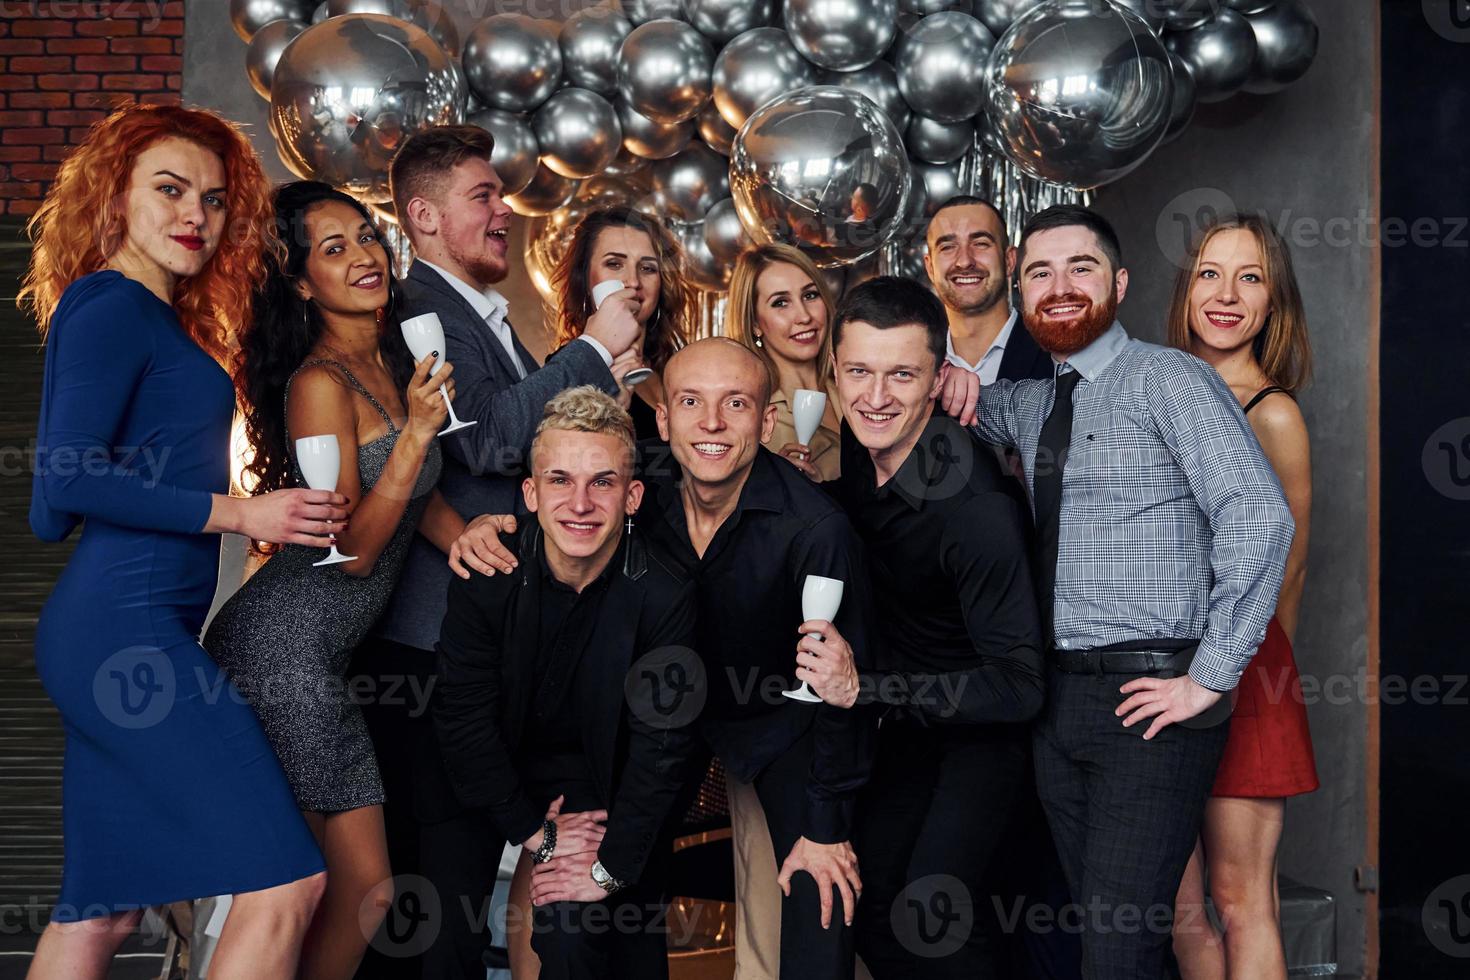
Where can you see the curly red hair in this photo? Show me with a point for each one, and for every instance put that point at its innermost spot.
(80, 224)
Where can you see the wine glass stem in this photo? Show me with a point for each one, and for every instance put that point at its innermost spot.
(443, 392)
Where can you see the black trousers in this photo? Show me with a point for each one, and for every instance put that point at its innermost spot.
(1125, 814)
(930, 820)
(808, 952)
(624, 937)
(459, 857)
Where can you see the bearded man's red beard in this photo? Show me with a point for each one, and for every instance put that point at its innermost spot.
(1070, 336)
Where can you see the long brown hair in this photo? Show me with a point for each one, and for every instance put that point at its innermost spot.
(668, 328)
(1282, 348)
(83, 221)
(742, 315)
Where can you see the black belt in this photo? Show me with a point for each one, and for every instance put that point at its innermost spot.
(1128, 657)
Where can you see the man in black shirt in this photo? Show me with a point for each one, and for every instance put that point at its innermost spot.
(957, 664)
(749, 529)
(539, 743)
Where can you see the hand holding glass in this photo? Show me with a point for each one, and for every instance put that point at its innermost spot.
(600, 293)
(424, 335)
(821, 597)
(321, 461)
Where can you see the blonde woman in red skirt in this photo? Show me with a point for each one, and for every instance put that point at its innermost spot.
(1236, 305)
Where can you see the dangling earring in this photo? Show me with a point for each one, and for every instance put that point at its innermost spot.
(758, 341)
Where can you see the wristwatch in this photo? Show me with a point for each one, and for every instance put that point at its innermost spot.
(604, 880)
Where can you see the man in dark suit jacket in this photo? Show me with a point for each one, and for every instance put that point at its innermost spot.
(447, 196)
(538, 707)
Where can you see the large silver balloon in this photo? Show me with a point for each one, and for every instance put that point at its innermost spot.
(646, 138)
(546, 192)
(938, 142)
(249, 16)
(941, 66)
(997, 15)
(1152, 11)
(923, 8)
(1219, 54)
(516, 152)
(700, 265)
(940, 182)
(714, 130)
(878, 82)
(1079, 94)
(686, 186)
(841, 35)
(723, 232)
(664, 70)
(428, 14)
(1182, 109)
(627, 166)
(578, 132)
(265, 51)
(756, 67)
(513, 61)
(643, 11)
(348, 92)
(1249, 7)
(723, 20)
(590, 40)
(1186, 15)
(822, 168)
(1286, 43)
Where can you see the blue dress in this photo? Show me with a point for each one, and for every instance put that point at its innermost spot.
(170, 790)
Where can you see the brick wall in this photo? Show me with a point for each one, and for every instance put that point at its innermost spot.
(63, 64)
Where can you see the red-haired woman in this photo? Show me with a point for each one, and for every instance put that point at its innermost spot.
(147, 250)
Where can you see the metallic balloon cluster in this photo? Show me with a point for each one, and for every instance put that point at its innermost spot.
(838, 125)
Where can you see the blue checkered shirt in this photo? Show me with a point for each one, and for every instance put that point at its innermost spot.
(1173, 524)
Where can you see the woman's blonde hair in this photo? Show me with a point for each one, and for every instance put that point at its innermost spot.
(742, 313)
(83, 221)
(1282, 348)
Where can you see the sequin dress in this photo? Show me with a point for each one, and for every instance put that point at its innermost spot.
(286, 636)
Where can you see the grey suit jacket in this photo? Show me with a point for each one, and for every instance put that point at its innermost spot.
(484, 464)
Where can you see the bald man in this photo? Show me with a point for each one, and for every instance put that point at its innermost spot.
(748, 529)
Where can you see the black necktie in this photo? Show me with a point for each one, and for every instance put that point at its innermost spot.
(1051, 457)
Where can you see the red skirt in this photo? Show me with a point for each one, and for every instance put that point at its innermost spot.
(1269, 752)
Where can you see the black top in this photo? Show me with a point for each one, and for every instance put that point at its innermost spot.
(567, 620)
(1260, 395)
(492, 675)
(749, 593)
(946, 545)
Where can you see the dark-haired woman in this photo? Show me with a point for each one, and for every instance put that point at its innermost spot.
(619, 243)
(325, 356)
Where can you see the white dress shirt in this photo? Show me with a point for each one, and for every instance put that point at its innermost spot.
(989, 367)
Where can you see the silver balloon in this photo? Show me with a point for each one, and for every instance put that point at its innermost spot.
(1079, 94)
(700, 265)
(724, 20)
(265, 51)
(803, 163)
(688, 185)
(627, 166)
(1152, 11)
(1286, 43)
(348, 92)
(939, 182)
(714, 130)
(578, 132)
(516, 151)
(878, 82)
(923, 8)
(643, 11)
(1249, 7)
(513, 62)
(249, 16)
(938, 142)
(1186, 15)
(723, 233)
(590, 40)
(1220, 55)
(756, 67)
(911, 261)
(841, 35)
(546, 192)
(997, 15)
(941, 66)
(1182, 108)
(428, 14)
(646, 138)
(320, 13)
(664, 70)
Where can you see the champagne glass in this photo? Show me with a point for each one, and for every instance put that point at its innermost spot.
(807, 408)
(424, 335)
(600, 293)
(320, 460)
(820, 599)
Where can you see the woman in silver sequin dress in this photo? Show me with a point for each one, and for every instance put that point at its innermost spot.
(325, 356)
